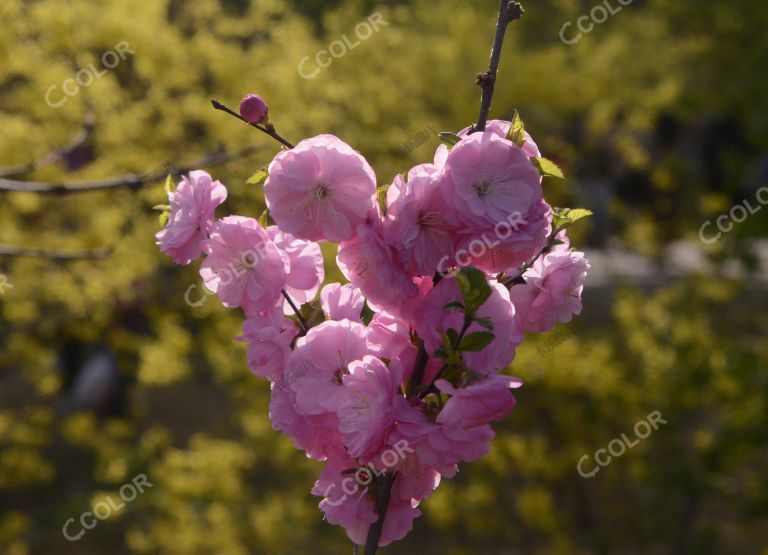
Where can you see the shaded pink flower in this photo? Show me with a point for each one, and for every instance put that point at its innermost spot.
(415, 224)
(499, 128)
(439, 446)
(345, 502)
(307, 267)
(493, 189)
(341, 302)
(243, 267)
(374, 267)
(366, 410)
(488, 400)
(191, 219)
(318, 437)
(436, 319)
(552, 290)
(269, 337)
(323, 356)
(321, 189)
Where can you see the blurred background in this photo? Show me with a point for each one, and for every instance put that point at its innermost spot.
(115, 364)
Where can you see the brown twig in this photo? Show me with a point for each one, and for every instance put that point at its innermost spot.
(384, 489)
(302, 320)
(55, 155)
(508, 11)
(135, 181)
(268, 129)
(59, 256)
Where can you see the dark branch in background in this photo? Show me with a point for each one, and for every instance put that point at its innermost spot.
(268, 129)
(508, 12)
(296, 310)
(58, 256)
(519, 279)
(56, 155)
(383, 496)
(135, 181)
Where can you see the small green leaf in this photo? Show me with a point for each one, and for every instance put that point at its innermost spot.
(548, 168)
(164, 217)
(517, 130)
(264, 219)
(161, 207)
(453, 336)
(258, 178)
(170, 186)
(381, 194)
(566, 217)
(477, 341)
(474, 288)
(487, 323)
(449, 139)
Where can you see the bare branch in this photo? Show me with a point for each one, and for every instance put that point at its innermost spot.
(268, 129)
(508, 11)
(135, 181)
(60, 256)
(56, 155)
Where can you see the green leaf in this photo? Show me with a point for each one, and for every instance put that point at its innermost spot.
(264, 219)
(548, 168)
(474, 288)
(516, 132)
(477, 341)
(170, 186)
(487, 323)
(566, 217)
(449, 139)
(453, 336)
(161, 207)
(258, 178)
(381, 194)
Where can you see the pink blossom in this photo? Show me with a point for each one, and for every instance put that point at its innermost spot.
(341, 302)
(415, 224)
(321, 189)
(499, 128)
(439, 446)
(191, 219)
(552, 290)
(243, 267)
(436, 319)
(345, 502)
(493, 189)
(307, 267)
(366, 410)
(324, 355)
(374, 267)
(480, 403)
(269, 337)
(318, 437)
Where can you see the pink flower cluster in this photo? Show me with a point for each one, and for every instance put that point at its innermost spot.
(407, 388)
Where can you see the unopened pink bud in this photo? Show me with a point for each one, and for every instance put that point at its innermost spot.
(254, 109)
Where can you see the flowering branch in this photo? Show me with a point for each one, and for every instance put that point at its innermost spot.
(508, 12)
(268, 128)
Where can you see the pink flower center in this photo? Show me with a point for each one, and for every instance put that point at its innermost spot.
(322, 192)
(482, 188)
